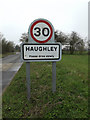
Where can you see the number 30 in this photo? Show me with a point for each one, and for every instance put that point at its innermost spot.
(38, 31)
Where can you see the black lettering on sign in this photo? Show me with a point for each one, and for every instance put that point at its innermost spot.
(45, 31)
(38, 31)
(55, 48)
(27, 48)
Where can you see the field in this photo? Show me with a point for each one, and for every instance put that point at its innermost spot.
(69, 101)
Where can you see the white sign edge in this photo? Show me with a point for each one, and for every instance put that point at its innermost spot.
(60, 53)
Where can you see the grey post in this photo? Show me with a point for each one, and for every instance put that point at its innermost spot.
(28, 79)
(53, 76)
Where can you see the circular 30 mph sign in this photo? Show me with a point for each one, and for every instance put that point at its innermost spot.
(41, 31)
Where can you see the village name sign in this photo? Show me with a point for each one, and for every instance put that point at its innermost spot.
(41, 46)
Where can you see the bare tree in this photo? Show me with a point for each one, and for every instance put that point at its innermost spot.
(24, 37)
(89, 47)
(61, 37)
(7, 46)
(75, 42)
(1, 36)
(17, 48)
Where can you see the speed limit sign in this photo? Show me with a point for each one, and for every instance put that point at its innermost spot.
(41, 31)
(41, 46)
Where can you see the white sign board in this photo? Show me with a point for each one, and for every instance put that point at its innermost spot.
(41, 52)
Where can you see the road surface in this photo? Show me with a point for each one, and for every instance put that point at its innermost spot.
(10, 65)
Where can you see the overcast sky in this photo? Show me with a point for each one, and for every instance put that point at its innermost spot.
(65, 15)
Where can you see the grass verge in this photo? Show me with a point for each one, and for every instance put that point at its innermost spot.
(6, 54)
(69, 101)
(0, 55)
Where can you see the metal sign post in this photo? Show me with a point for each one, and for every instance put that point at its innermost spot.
(28, 79)
(53, 76)
(41, 46)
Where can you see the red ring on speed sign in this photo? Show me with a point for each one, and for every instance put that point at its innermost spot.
(31, 31)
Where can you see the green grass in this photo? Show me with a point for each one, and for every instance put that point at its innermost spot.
(0, 55)
(6, 54)
(69, 101)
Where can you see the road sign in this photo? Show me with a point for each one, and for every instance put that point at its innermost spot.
(41, 31)
(41, 46)
(41, 52)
